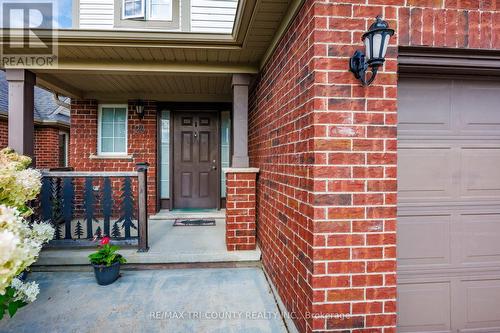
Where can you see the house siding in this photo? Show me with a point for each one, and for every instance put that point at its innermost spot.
(327, 152)
(96, 14)
(213, 15)
(46, 145)
(142, 144)
(206, 15)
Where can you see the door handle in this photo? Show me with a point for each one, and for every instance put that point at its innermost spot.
(214, 167)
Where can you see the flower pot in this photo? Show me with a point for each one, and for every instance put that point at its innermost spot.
(106, 274)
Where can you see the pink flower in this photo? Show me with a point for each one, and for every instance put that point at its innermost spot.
(105, 240)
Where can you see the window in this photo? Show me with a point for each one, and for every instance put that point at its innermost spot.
(165, 154)
(160, 10)
(112, 130)
(133, 9)
(225, 148)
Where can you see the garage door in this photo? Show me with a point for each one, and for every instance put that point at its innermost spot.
(449, 205)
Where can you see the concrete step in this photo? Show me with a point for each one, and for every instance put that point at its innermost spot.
(167, 215)
(58, 257)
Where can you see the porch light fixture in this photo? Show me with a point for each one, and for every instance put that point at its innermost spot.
(376, 40)
(139, 108)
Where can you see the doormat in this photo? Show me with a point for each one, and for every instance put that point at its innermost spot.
(193, 222)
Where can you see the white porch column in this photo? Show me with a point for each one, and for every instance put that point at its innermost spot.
(21, 106)
(240, 120)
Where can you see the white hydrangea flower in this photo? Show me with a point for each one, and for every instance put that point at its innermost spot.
(25, 291)
(43, 232)
(30, 181)
(19, 244)
(17, 183)
(8, 244)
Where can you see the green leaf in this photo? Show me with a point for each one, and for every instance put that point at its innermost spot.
(10, 292)
(106, 255)
(21, 304)
(12, 309)
(2, 311)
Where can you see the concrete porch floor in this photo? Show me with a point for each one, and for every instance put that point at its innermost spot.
(168, 244)
(166, 214)
(177, 300)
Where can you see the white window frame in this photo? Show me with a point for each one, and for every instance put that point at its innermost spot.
(99, 134)
(141, 15)
(150, 18)
(66, 147)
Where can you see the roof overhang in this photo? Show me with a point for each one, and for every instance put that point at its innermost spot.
(88, 55)
(42, 123)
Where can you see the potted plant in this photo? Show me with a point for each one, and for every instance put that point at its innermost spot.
(106, 262)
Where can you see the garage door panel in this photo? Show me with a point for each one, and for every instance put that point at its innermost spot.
(415, 314)
(421, 115)
(479, 302)
(424, 173)
(476, 106)
(480, 175)
(448, 205)
(423, 240)
(480, 238)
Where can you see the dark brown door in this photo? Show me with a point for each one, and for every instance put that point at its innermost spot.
(196, 160)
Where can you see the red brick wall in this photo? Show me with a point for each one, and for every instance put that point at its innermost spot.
(326, 149)
(4, 133)
(448, 23)
(46, 145)
(281, 135)
(240, 211)
(141, 143)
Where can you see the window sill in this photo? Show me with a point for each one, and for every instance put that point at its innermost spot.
(111, 157)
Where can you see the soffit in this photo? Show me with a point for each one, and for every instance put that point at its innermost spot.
(162, 87)
(255, 28)
(166, 66)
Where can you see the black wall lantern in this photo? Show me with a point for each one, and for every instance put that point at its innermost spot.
(139, 108)
(376, 41)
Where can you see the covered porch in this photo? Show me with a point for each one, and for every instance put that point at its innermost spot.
(175, 103)
(171, 160)
(168, 244)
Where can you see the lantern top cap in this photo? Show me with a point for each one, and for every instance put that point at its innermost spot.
(378, 26)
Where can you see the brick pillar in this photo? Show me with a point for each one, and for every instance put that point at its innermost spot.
(355, 185)
(240, 208)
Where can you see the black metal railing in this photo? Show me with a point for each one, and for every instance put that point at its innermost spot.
(84, 205)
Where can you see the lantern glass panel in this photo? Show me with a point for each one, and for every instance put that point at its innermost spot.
(377, 43)
(367, 47)
(386, 43)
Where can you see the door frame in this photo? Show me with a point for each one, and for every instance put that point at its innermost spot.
(187, 107)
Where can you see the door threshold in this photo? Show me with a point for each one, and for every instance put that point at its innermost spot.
(191, 213)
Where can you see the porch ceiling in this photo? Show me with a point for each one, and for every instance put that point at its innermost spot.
(93, 64)
(109, 87)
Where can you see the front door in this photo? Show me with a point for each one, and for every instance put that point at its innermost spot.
(196, 160)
